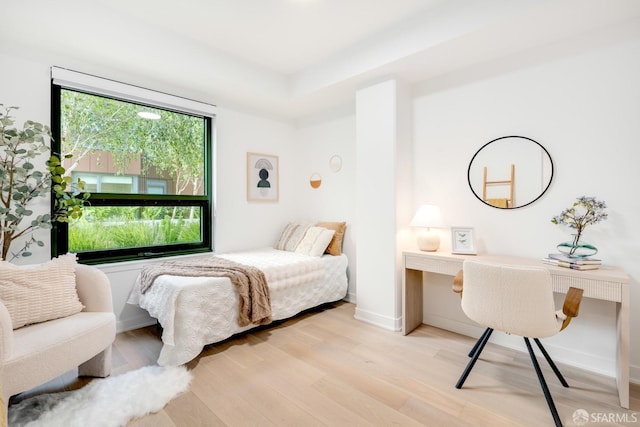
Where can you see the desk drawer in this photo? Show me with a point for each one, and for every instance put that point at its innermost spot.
(441, 266)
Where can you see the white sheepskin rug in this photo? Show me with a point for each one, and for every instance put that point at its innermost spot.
(109, 402)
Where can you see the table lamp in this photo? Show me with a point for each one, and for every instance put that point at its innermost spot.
(426, 219)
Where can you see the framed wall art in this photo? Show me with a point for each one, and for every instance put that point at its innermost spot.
(463, 241)
(262, 178)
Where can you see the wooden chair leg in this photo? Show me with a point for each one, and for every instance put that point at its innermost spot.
(543, 384)
(478, 349)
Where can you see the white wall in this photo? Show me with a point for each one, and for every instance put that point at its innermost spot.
(583, 106)
(375, 196)
(241, 224)
(26, 84)
(333, 200)
(383, 188)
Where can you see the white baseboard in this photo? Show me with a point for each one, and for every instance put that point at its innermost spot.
(386, 322)
(463, 328)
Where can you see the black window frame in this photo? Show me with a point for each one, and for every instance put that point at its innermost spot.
(59, 230)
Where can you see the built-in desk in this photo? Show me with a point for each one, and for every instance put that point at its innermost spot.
(606, 283)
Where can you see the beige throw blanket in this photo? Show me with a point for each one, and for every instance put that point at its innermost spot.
(255, 302)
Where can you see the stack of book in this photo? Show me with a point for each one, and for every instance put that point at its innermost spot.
(580, 263)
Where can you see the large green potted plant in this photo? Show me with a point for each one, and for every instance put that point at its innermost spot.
(22, 181)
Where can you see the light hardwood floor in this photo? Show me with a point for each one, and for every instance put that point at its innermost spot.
(324, 368)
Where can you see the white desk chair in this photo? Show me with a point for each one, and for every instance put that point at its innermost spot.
(517, 300)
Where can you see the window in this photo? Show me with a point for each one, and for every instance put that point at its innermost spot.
(156, 186)
(144, 157)
(103, 183)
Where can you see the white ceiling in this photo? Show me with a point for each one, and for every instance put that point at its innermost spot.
(291, 58)
(285, 36)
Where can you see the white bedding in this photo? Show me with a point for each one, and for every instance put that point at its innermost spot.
(196, 311)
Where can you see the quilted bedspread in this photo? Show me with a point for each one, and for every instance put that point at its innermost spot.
(196, 311)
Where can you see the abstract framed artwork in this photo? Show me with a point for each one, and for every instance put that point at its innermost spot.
(262, 177)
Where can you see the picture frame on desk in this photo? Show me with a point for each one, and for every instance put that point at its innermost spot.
(463, 241)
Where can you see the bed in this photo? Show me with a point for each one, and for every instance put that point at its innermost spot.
(196, 311)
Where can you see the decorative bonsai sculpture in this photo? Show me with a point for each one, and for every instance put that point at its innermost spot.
(22, 180)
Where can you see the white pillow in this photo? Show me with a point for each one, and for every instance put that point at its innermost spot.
(315, 241)
(37, 293)
(292, 235)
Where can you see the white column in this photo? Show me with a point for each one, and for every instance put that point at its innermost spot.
(383, 199)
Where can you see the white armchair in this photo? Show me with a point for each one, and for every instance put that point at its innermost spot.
(35, 354)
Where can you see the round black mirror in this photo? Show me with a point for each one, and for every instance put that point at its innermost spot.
(510, 172)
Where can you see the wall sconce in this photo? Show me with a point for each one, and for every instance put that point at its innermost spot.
(426, 219)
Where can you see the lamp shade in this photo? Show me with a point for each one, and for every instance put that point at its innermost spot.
(427, 216)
